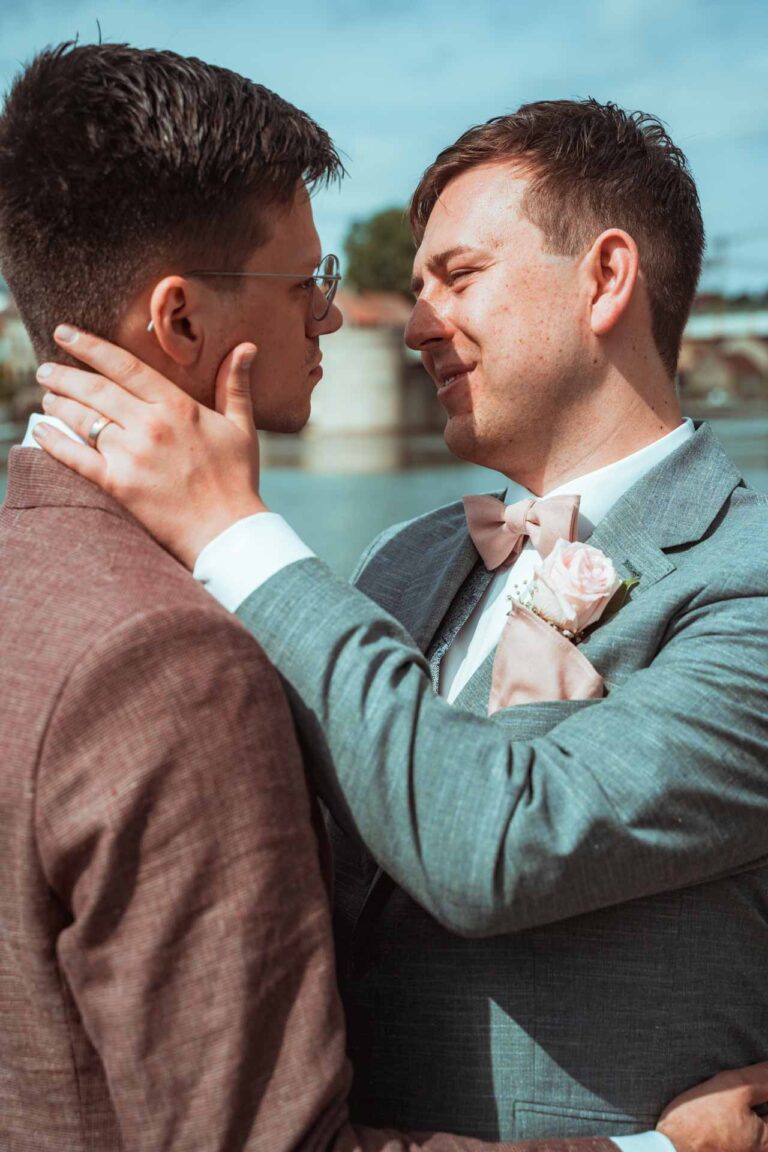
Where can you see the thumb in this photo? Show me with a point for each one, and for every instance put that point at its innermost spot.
(233, 387)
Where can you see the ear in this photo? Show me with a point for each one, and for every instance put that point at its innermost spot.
(612, 265)
(178, 318)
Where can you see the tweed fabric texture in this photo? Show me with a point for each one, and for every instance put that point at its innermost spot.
(166, 962)
(458, 614)
(582, 886)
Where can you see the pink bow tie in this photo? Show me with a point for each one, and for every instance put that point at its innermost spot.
(499, 530)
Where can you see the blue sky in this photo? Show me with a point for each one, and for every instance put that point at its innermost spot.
(396, 82)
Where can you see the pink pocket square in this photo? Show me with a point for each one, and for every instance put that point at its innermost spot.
(535, 662)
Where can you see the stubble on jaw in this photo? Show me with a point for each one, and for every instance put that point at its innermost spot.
(537, 449)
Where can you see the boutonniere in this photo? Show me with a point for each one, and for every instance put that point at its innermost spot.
(574, 588)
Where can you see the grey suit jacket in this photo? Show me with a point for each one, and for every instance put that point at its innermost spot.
(614, 852)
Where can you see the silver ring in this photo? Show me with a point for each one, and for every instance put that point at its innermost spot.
(96, 430)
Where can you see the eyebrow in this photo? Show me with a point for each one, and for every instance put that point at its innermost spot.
(317, 255)
(438, 262)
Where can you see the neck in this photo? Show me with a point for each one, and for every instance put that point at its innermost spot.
(616, 422)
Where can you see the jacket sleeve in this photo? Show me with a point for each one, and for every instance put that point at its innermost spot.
(660, 785)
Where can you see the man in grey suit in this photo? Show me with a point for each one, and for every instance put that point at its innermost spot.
(568, 918)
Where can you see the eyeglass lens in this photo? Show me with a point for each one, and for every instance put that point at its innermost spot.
(327, 282)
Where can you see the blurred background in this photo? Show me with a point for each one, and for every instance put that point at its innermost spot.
(394, 84)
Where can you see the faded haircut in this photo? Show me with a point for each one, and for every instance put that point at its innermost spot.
(119, 163)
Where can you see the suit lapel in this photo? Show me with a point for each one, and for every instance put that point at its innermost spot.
(462, 606)
(673, 505)
(677, 502)
(635, 554)
(458, 564)
(418, 589)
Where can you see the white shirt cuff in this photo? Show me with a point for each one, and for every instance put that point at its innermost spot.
(644, 1142)
(244, 556)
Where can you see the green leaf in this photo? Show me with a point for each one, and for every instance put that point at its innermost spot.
(619, 598)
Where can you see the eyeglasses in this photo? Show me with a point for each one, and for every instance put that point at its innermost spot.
(325, 277)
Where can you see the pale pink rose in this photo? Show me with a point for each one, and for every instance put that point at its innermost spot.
(573, 585)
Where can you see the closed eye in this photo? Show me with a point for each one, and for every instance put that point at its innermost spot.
(453, 277)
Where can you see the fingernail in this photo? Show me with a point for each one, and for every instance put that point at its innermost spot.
(47, 400)
(65, 334)
(40, 431)
(44, 371)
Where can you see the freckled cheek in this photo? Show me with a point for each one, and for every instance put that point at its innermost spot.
(517, 313)
(485, 331)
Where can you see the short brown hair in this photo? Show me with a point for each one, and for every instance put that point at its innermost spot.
(115, 161)
(594, 166)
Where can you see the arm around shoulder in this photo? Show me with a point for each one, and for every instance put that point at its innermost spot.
(657, 786)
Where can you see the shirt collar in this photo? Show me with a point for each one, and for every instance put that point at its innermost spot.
(599, 490)
(29, 440)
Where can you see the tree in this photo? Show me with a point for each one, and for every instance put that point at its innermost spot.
(379, 253)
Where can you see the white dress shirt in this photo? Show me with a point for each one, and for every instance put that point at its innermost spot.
(643, 1142)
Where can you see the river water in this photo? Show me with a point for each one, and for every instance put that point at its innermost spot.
(337, 515)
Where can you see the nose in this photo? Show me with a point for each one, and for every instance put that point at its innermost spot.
(426, 327)
(330, 323)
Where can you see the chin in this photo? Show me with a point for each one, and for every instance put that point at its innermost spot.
(289, 421)
(462, 440)
(478, 446)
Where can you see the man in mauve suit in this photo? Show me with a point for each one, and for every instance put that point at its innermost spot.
(166, 962)
(575, 887)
